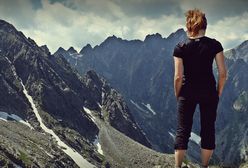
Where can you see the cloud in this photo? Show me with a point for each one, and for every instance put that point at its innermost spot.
(56, 24)
(165, 25)
(216, 10)
(151, 9)
(78, 22)
(18, 12)
(231, 31)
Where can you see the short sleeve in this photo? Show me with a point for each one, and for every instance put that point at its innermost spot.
(178, 51)
(217, 47)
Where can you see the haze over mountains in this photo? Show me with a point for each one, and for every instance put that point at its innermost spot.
(108, 106)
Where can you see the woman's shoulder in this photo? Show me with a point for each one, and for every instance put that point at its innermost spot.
(187, 42)
(182, 43)
(212, 40)
(179, 48)
(215, 45)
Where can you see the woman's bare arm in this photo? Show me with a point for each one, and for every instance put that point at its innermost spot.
(178, 76)
(222, 72)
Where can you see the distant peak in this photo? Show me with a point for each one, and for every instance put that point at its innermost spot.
(242, 46)
(31, 41)
(113, 37)
(86, 48)
(45, 49)
(60, 50)
(180, 32)
(244, 43)
(44, 46)
(3, 22)
(7, 26)
(153, 36)
(9, 29)
(71, 50)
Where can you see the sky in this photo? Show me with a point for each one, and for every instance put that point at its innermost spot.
(65, 23)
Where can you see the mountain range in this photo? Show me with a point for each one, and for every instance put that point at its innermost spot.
(50, 116)
(142, 71)
(108, 106)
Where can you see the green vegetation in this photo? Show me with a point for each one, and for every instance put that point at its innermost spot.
(186, 161)
(105, 115)
(25, 159)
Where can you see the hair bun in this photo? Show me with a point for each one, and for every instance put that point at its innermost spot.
(195, 21)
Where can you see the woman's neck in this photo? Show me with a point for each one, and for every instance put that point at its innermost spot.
(201, 33)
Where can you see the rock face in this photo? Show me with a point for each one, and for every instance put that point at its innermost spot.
(113, 108)
(233, 125)
(28, 148)
(142, 71)
(137, 69)
(239, 52)
(50, 81)
(60, 95)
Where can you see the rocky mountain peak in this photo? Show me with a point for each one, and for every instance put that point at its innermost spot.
(239, 52)
(32, 42)
(71, 50)
(60, 50)
(244, 45)
(45, 49)
(179, 34)
(7, 26)
(86, 49)
(93, 78)
(111, 39)
(10, 35)
(153, 37)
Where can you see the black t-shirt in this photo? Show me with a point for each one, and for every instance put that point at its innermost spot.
(198, 55)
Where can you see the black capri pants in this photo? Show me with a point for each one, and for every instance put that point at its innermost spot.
(186, 104)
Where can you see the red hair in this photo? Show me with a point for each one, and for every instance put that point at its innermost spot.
(195, 21)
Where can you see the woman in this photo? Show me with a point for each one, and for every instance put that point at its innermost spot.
(194, 83)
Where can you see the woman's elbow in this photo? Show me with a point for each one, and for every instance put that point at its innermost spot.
(178, 77)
